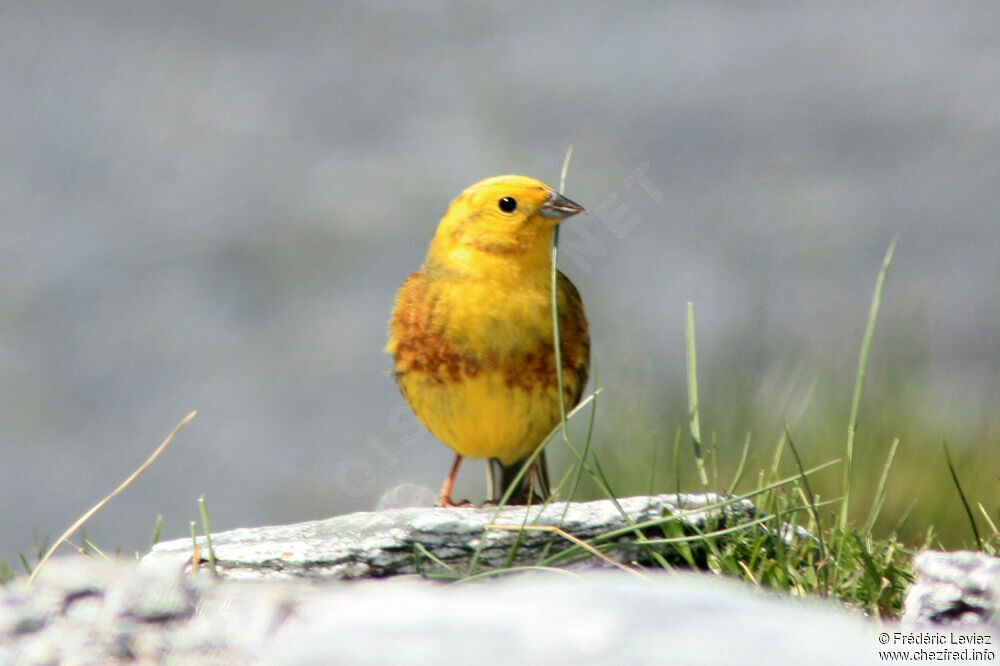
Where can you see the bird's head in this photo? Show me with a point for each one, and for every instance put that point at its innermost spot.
(504, 216)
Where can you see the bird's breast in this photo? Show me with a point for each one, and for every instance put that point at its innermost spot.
(486, 320)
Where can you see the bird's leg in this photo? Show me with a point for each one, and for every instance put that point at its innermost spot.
(539, 477)
(444, 499)
(533, 487)
(531, 484)
(491, 485)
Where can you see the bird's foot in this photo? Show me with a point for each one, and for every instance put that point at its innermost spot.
(445, 502)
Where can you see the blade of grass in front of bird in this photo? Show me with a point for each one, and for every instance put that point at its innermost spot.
(579, 467)
(593, 466)
(473, 561)
(545, 442)
(859, 384)
(556, 339)
(557, 348)
(565, 168)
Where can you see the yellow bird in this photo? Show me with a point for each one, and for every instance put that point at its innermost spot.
(471, 332)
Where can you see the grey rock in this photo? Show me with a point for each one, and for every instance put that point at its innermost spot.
(86, 611)
(954, 588)
(289, 595)
(552, 617)
(444, 541)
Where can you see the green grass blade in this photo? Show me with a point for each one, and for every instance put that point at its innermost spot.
(812, 507)
(157, 528)
(880, 489)
(578, 476)
(208, 534)
(779, 450)
(692, 377)
(420, 550)
(556, 340)
(741, 466)
(677, 460)
(24, 563)
(961, 495)
(194, 546)
(859, 383)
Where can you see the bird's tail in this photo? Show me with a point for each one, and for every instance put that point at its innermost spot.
(532, 489)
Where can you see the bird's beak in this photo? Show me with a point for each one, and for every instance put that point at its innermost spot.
(559, 207)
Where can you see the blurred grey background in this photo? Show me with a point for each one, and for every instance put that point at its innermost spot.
(210, 205)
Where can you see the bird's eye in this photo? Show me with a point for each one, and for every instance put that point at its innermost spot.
(508, 204)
